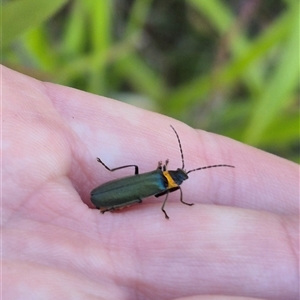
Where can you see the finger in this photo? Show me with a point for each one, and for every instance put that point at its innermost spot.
(121, 134)
(260, 180)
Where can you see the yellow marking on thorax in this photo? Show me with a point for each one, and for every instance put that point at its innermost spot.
(171, 182)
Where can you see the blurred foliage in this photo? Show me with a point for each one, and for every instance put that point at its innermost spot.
(231, 67)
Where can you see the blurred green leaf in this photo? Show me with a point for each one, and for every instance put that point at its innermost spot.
(216, 12)
(138, 16)
(74, 32)
(21, 15)
(193, 91)
(38, 45)
(278, 88)
(141, 76)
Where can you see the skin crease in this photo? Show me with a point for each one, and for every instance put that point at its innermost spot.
(239, 241)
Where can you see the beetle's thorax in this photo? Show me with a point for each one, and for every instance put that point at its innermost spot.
(175, 178)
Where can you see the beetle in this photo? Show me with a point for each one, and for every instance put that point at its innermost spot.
(123, 192)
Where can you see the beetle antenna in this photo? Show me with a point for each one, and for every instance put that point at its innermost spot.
(208, 167)
(182, 159)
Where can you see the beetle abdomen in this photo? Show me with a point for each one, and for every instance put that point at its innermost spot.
(127, 189)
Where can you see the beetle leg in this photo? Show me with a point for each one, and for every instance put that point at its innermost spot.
(164, 167)
(190, 204)
(163, 206)
(159, 165)
(136, 168)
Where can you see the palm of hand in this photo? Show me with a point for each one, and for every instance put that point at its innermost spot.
(56, 245)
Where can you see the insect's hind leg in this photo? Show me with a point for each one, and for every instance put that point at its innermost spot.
(136, 168)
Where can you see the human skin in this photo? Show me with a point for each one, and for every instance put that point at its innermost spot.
(241, 238)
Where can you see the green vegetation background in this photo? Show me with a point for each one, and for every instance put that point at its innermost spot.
(230, 67)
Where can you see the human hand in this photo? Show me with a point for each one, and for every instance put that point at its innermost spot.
(240, 238)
